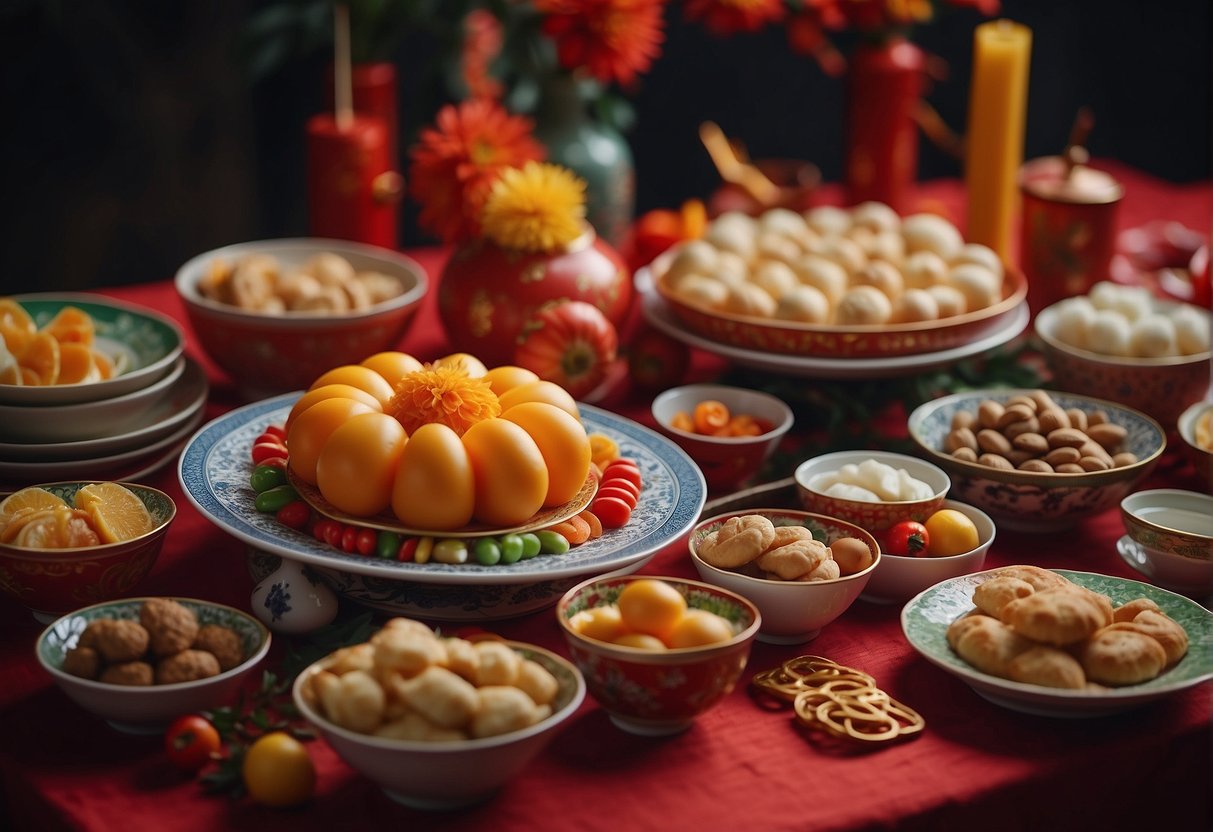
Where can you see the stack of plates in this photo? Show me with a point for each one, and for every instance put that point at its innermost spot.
(123, 428)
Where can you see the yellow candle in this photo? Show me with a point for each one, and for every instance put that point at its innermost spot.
(998, 98)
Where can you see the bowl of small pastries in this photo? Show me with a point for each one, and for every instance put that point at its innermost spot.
(1195, 427)
(837, 283)
(1061, 643)
(802, 570)
(657, 652)
(1120, 343)
(67, 544)
(275, 314)
(438, 722)
(1169, 538)
(140, 663)
(875, 490)
(1037, 460)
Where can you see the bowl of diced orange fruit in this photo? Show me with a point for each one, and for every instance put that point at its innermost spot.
(657, 652)
(65, 545)
(729, 431)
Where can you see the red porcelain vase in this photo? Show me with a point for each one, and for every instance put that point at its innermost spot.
(884, 85)
(486, 292)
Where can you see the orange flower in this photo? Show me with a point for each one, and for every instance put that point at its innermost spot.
(447, 395)
(724, 17)
(455, 164)
(613, 40)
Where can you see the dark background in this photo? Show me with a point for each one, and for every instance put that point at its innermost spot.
(135, 136)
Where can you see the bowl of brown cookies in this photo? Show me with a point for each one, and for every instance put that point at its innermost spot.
(139, 663)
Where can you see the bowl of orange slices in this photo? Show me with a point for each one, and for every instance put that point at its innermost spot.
(65, 545)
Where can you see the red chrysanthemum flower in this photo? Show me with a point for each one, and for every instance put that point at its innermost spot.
(613, 40)
(455, 163)
(724, 17)
(482, 41)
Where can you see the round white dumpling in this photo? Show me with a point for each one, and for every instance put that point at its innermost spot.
(1134, 302)
(731, 268)
(804, 304)
(734, 232)
(1191, 329)
(980, 286)
(981, 255)
(828, 220)
(777, 247)
(775, 277)
(750, 299)
(1072, 321)
(845, 252)
(875, 216)
(916, 305)
(1104, 294)
(701, 290)
(863, 305)
(1109, 333)
(889, 246)
(1152, 336)
(931, 232)
(923, 269)
(697, 256)
(949, 299)
(822, 274)
(884, 276)
(782, 221)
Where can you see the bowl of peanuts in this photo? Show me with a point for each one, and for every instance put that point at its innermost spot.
(275, 314)
(438, 722)
(802, 570)
(728, 431)
(1037, 460)
(1120, 343)
(657, 652)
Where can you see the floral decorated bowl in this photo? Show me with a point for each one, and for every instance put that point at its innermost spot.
(793, 612)
(1158, 387)
(449, 774)
(148, 710)
(267, 353)
(51, 582)
(875, 517)
(897, 579)
(655, 693)
(1196, 432)
(1173, 533)
(726, 461)
(1026, 500)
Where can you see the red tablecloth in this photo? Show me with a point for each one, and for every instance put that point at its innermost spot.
(977, 765)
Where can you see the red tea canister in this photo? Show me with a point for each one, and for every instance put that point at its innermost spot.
(1068, 233)
(353, 187)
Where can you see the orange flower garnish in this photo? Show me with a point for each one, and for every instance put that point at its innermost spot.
(724, 17)
(613, 40)
(446, 395)
(455, 164)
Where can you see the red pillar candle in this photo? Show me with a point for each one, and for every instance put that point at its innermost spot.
(373, 86)
(352, 185)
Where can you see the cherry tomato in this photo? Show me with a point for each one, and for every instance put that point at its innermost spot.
(190, 742)
(612, 511)
(620, 482)
(274, 461)
(349, 539)
(295, 515)
(408, 549)
(320, 529)
(365, 542)
(268, 438)
(620, 494)
(276, 431)
(266, 450)
(278, 771)
(907, 539)
(626, 469)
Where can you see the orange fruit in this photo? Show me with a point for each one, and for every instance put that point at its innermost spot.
(76, 364)
(651, 606)
(472, 365)
(71, 326)
(311, 429)
(540, 391)
(16, 326)
(41, 356)
(11, 374)
(507, 377)
(643, 641)
(602, 623)
(27, 500)
(117, 512)
(355, 375)
(55, 528)
(330, 391)
(563, 444)
(105, 367)
(392, 365)
(699, 627)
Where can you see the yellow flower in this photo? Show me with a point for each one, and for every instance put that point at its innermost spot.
(539, 207)
(442, 394)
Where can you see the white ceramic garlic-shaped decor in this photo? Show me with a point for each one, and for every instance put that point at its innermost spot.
(292, 600)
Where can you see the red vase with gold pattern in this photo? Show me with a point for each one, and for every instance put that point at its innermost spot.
(486, 292)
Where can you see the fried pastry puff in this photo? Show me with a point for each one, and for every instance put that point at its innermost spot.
(1055, 616)
(1047, 666)
(737, 542)
(993, 595)
(1117, 656)
(990, 646)
(1167, 632)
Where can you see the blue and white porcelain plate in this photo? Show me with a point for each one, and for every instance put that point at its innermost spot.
(215, 466)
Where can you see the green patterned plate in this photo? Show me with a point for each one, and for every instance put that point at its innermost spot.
(926, 617)
(142, 344)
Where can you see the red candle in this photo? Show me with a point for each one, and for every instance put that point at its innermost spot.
(352, 184)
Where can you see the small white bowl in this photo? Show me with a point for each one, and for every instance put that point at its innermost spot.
(1200, 455)
(1170, 538)
(448, 775)
(875, 517)
(726, 461)
(897, 579)
(148, 710)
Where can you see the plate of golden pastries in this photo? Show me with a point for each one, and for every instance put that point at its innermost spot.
(859, 282)
(1062, 643)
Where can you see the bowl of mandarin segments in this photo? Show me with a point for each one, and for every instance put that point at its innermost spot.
(140, 681)
(68, 544)
(275, 314)
(657, 652)
(1046, 467)
(729, 431)
(795, 607)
